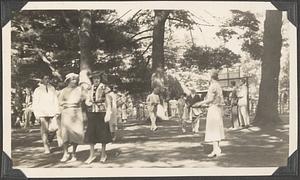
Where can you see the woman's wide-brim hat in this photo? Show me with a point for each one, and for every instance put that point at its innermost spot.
(71, 75)
(96, 74)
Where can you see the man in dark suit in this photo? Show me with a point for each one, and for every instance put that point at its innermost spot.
(192, 99)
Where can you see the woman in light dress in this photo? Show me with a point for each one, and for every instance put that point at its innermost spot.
(73, 116)
(214, 124)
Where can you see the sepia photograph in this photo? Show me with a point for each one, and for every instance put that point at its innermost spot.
(175, 88)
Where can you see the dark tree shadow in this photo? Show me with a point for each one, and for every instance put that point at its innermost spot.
(137, 146)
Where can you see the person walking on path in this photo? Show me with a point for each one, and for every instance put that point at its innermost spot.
(98, 131)
(234, 106)
(45, 107)
(73, 116)
(214, 123)
(152, 103)
(159, 81)
(243, 104)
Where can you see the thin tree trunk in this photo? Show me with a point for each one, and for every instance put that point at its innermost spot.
(158, 38)
(85, 40)
(267, 108)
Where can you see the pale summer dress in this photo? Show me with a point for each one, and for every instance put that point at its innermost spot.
(214, 122)
(72, 115)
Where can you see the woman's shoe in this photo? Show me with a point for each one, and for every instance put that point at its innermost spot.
(73, 159)
(65, 158)
(218, 152)
(103, 159)
(90, 160)
(212, 154)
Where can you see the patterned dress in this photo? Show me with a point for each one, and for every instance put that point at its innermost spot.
(98, 131)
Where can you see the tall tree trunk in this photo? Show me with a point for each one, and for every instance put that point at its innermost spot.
(160, 18)
(267, 108)
(85, 40)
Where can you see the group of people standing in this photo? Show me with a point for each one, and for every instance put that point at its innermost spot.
(189, 107)
(86, 112)
(239, 105)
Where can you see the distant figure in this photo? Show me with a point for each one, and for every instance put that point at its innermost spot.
(192, 99)
(214, 123)
(124, 107)
(152, 103)
(158, 80)
(45, 107)
(181, 111)
(243, 106)
(73, 116)
(234, 106)
(173, 106)
(27, 113)
(113, 122)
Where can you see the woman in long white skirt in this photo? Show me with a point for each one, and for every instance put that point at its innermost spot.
(214, 124)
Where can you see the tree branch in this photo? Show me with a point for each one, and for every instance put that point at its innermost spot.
(148, 61)
(121, 16)
(141, 38)
(181, 21)
(54, 71)
(135, 14)
(141, 32)
(147, 48)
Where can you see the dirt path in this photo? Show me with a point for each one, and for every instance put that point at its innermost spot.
(137, 146)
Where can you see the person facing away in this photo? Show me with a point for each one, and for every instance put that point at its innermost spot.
(243, 104)
(45, 107)
(214, 131)
(234, 106)
(152, 103)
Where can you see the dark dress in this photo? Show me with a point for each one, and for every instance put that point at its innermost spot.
(97, 129)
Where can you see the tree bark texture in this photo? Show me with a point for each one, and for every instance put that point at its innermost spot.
(267, 108)
(160, 18)
(85, 40)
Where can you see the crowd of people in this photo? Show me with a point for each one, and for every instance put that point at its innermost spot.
(87, 110)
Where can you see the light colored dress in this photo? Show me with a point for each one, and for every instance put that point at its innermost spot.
(72, 115)
(113, 122)
(214, 122)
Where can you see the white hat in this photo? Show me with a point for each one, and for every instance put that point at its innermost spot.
(71, 75)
